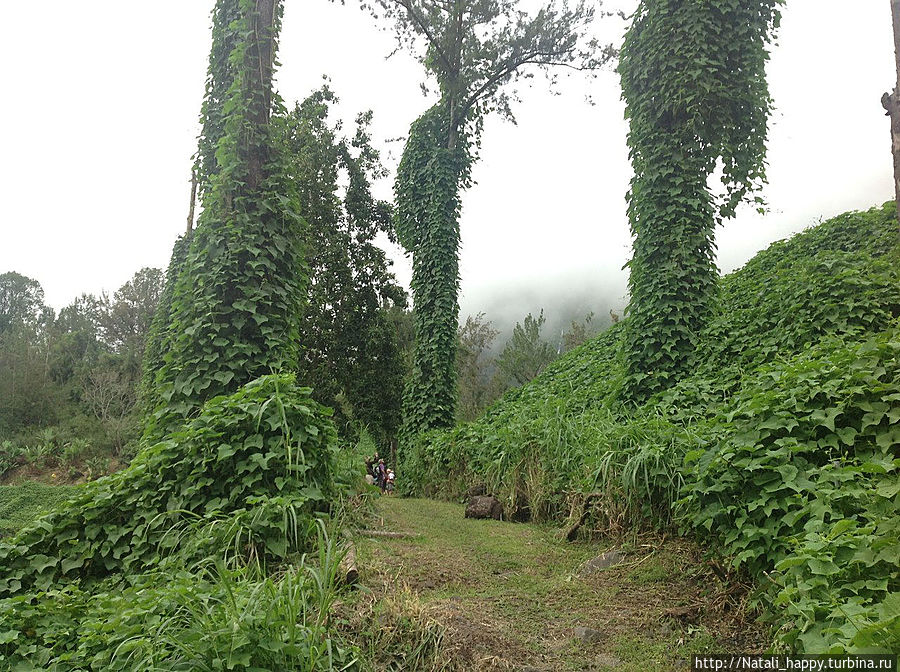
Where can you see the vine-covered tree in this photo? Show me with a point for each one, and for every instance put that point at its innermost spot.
(235, 305)
(476, 51)
(693, 79)
(350, 354)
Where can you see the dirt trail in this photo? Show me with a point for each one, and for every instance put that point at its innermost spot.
(514, 597)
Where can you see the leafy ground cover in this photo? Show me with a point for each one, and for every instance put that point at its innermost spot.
(501, 596)
(780, 449)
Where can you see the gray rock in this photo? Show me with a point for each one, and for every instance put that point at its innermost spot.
(588, 635)
(601, 562)
(607, 660)
(484, 507)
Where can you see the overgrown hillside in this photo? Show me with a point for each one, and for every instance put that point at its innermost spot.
(781, 448)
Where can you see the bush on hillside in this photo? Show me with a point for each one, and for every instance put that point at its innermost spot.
(241, 482)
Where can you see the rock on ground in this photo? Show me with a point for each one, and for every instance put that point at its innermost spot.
(484, 507)
(601, 562)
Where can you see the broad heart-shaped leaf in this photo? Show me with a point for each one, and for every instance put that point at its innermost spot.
(840, 527)
(71, 563)
(890, 607)
(41, 562)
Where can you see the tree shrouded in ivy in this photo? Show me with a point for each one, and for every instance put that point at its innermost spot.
(236, 285)
(693, 79)
(476, 51)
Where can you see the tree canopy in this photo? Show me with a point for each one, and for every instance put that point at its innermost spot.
(350, 353)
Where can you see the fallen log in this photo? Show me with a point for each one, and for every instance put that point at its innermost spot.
(387, 535)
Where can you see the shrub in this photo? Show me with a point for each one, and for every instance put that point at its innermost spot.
(268, 443)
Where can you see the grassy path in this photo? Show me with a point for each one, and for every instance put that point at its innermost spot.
(513, 597)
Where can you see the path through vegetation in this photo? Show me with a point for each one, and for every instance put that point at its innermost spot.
(514, 597)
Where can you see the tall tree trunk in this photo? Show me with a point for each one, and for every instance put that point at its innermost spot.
(891, 103)
(262, 52)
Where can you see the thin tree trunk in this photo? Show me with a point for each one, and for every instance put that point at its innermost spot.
(190, 219)
(891, 103)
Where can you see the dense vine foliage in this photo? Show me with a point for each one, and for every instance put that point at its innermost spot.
(237, 302)
(157, 337)
(240, 480)
(427, 222)
(163, 564)
(269, 439)
(478, 52)
(693, 78)
(781, 448)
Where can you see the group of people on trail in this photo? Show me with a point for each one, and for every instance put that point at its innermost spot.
(377, 473)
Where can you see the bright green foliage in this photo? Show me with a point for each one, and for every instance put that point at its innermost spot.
(21, 504)
(251, 457)
(427, 222)
(237, 302)
(240, 482)
(693, 78)
(781, 448)
(805, 473)
(849, 285)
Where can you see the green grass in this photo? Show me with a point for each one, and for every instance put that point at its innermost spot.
(21, 504)
(514, 591)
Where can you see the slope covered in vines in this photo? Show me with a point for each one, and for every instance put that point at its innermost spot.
(781, 447)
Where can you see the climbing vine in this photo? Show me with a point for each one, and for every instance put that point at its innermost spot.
(693, 79)
(427, 189)
(237, 300)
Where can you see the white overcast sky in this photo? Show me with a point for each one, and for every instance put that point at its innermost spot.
(99, 120)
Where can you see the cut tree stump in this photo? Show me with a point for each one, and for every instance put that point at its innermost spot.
(571, 531)
(349, 572)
